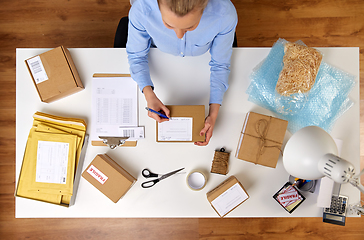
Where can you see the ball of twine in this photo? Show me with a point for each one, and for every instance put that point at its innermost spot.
(220, 163)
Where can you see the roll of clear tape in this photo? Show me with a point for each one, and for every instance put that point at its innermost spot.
(196, 180)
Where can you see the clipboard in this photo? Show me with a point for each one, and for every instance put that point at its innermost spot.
(112, 142)
(197, 112)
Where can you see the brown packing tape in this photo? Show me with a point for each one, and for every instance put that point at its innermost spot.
(100, 143)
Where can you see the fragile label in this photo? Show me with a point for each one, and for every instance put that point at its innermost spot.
(288, 196)
(37, 69)
(97, 174)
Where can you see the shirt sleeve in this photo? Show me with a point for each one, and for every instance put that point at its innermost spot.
(221, 51)
(138, 46)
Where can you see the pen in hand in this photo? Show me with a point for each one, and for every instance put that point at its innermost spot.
(158, 113)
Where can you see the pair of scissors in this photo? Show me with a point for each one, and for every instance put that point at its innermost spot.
(149, 174)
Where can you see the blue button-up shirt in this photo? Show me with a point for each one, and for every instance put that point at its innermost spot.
(215, 32)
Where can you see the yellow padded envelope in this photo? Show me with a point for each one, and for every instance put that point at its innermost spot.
(51, 133)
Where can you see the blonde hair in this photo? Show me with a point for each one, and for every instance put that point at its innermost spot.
(182, 7)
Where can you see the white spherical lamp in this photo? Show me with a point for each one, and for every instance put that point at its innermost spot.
(305, 149)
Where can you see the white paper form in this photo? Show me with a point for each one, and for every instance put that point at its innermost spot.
(52, 162)
(229, 199)
(114, 105)
(176, 129)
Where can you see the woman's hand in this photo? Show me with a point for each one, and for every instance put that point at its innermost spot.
(154, 103)
(209, 124)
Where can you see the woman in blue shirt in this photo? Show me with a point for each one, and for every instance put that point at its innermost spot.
(182, 28)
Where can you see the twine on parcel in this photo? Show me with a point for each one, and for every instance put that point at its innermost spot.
(262, 137)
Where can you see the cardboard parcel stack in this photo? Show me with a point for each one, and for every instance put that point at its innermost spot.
(51, 159)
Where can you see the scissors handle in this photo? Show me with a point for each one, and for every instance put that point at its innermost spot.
(148, 174)
(150, 183)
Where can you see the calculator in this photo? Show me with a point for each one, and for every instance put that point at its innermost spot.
(336, 213)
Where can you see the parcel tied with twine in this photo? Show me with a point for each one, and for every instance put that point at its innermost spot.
(261, 139)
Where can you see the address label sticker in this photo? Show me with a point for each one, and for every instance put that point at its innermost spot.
(37, 69)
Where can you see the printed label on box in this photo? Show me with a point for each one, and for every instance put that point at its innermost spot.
(37, 69)
(97, 174)
(176, 129)
(229, 199)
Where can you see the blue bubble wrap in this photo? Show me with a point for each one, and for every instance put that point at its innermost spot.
(326, 101)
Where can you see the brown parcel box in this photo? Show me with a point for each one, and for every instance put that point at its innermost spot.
(220, 197)
(61, 79)
(108, 177)
(197, 112)
(261, 139)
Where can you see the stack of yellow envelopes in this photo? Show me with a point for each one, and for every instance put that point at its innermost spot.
(51, 157)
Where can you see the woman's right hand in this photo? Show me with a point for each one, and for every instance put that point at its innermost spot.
(154, 103)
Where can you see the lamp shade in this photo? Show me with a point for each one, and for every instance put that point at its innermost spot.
(304, 150)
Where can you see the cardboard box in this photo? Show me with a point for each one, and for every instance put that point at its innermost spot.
(261, 139)
(108, 177)
(54, 74)
(221, 197)
(196, 112)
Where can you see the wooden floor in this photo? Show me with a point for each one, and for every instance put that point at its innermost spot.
(92, 24)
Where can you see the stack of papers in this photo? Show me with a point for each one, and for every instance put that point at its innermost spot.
(115, 109)
(51, 158)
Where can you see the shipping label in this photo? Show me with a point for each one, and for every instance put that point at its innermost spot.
(37, 69)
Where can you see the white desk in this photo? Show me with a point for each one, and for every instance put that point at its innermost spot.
(177, 81)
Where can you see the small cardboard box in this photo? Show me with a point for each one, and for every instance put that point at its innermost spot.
(54, 74)
(261, 139)
(108, 177)
(227, 196)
